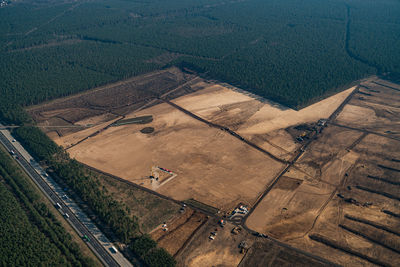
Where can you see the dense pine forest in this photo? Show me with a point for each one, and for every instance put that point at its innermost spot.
(30, 234)
(291, 51)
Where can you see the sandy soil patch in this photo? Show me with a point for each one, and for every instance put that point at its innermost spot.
(271, 118)
(289, 211)
(357, 115)
(210, 164)
(349, 189)
(176, 239)
(256, 119)
(375, 108)
(96, 119)
(218, 101)
(71, 139)
(222, 251)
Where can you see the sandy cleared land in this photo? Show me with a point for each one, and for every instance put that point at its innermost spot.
(258, 120)
(358, 115)
(341, 197)
(107, 102)
(253, 115)
(179, 231)
(375, 108)
(288, 211)
(71, 139)
(210, 164)
(222, 251)
(290, 208)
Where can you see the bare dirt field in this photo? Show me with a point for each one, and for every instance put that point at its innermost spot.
(180, 230)
(265, 253)
(226, 250)
(219, 146)
(258, 120)
(376, 108)
(103, 104)
(150, 210)
(341, 199)
(208, 162)
(222, 251)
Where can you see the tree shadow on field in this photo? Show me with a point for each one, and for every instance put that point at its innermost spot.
(256, 97)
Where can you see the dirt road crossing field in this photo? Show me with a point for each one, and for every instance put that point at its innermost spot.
(354, 173)
(222, 146)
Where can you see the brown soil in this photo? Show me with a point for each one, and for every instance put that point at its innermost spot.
(349, 187)
(208, 162)
(222, 251)
(150, 210)
(346, 172)
(100, 104)
(179, 231)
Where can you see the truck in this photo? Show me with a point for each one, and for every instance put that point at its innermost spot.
(58, 205)
(113, 250)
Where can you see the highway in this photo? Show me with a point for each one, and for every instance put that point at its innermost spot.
(93, 243)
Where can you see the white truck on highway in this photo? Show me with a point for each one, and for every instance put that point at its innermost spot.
(113, 250)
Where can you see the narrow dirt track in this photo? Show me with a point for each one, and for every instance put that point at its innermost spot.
(302, 150)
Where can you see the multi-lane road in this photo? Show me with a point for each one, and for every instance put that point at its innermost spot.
(102, 253)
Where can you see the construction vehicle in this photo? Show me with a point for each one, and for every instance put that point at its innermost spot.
(367, 204)
(154, 173)
(236, 230)
(243, 246)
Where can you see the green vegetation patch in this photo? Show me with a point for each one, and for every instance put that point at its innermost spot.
(148, 251)
(150, 210)
(21, 242)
